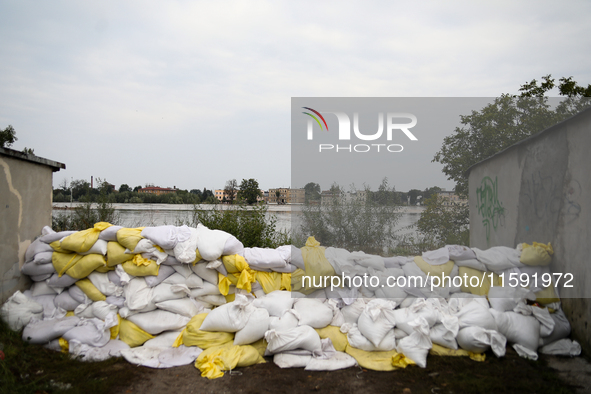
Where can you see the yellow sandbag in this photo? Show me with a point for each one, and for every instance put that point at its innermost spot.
(197, 259)
(213, 361)
(230, 297)
(236, 264)
(104, 269)
(537, 254)
(62, 261)
(132, 334)
(116, 254)
(193, 336)
(115, 329)
(547, 295)
(271, 281)
(57, 247)
(296, 280)
(260, 346)
(338, 339)
(84, 267)
(483, 281)
(64, 345)
(129, 237)
(399, 360)
(376, 361)
(82, 241)
(434, 270)
(140, 270)
(317, 266)
(438, 350)
(90, 290)
(224, 282)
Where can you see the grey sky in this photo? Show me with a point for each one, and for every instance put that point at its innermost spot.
(191, 94)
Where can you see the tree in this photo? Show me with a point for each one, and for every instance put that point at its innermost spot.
(7, 137)
(445, 224)
(414, 194)
(137, 188)
(230, 190)
(124, 188)
(249, 191)
(507, 120)
(312, 192)
(79, 188)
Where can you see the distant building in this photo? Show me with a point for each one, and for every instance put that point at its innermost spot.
(157, 190)
(451, 198)
(220, 194)
(296, 196)
(286, 196)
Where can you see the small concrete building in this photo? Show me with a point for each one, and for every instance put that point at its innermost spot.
(26, 186)
(537, 191)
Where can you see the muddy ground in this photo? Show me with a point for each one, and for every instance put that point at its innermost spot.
(510, 374)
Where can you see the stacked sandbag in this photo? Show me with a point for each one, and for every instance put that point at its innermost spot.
(167, 296)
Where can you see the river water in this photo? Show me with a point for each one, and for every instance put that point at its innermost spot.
(139, 215)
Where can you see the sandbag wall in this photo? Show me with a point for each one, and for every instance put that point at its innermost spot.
(167, 296)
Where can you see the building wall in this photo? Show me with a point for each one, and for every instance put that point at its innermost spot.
(25, 208)
(537, 190)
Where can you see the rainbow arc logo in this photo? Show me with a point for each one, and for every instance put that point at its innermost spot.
(315, 118)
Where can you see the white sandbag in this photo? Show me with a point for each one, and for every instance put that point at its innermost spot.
(403, 316)
(101, 309)
(210, 243)
(368, 260)
(506, 298)
(166, 237)
(18, 310)
(441, 335)
(265, 258)
(40, 277)
(207, 274)
(84, 311)
(352, 312)
(357, 340)
(85, 352)
(53, 236)
(164, 271)
(498, 258)
(77, 294)
(110, 233)
(137, 294)
(149, 250)
(157, 321)
(562, 347)
(92, 332)
(163, 340)
(472, 263)
(64, 281)
(104, 285)
(65, 301)
(43, 258)
(255, 328)
(460, 253)
(289, 360)
(397, 261)
(525, 352)
(36, 247)
(477, 340)
(218, 266)
(161, 358)
(475, 314)
(214, 299)
(230, 317)
(416, 346)
(276, 302)
(301, 337)
(119, 302)
(436, 257)
(339, 360)
(186, 251)
(517, 328)
(296, 258)
(48, 302)
(286, 322)
(233, 246)
(376, 320)
(30, 268)
(313, 312)
(39, 332)
(183, 269)
(561, 328)
(206, 289)
(41, 288)
(166, 292)
(458, 300)
(185, 306)
(99, 247)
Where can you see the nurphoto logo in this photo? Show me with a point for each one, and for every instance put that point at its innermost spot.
(393, 124)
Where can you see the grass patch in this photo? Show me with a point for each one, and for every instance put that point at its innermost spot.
(34, 369)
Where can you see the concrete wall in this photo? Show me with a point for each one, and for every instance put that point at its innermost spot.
(25, 207)
(538, 190)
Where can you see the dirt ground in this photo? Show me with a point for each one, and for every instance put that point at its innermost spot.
(510, 374)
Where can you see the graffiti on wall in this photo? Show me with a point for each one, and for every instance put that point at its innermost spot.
(489, 206)
(547, 197)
